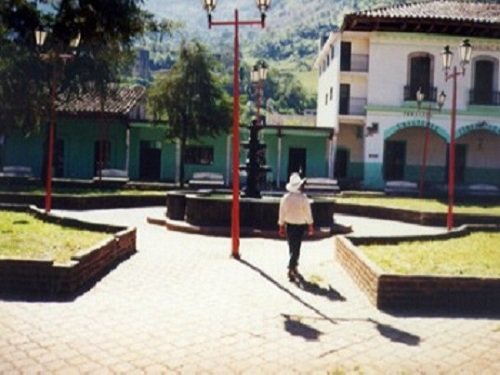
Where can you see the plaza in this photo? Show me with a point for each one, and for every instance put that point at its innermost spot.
(182, 305)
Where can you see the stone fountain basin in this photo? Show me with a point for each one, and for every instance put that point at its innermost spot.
(214, 209)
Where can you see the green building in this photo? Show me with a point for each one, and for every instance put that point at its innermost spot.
(90, 141)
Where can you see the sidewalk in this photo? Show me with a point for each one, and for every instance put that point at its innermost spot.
(182, 305)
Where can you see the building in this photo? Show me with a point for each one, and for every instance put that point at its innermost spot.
(369, 73)
(118, 136)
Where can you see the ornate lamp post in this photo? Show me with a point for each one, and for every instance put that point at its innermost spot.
(209, 6)
(257, 76)
(440, 102)
(53, 57)
(465, 50)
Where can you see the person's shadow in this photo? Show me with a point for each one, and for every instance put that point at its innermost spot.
(316, 289)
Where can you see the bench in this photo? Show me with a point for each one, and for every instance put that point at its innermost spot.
(16, 174)
(321, 185)
(113, 176)
(16, 171)
(206, 180)
(401, 187)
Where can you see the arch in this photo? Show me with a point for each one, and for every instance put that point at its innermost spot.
(416, 123)
(480, 125)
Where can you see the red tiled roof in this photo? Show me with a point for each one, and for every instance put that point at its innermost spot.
(120, 101)
(482, 16)
(442, 9)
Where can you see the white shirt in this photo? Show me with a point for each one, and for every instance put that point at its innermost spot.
(295, 208)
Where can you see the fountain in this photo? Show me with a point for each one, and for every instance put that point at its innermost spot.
(210, 211)
(255, 164)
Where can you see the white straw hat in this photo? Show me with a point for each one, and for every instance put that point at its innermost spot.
(295, 183)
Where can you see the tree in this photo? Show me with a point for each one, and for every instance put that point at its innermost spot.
(107, 28)
(191, 98)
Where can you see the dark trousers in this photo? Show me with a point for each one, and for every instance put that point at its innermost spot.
(294, 235)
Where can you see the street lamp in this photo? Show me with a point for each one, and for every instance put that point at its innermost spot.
(257, 77)
(440, 102)
(52, 57)
(209, 6)
(465, 50)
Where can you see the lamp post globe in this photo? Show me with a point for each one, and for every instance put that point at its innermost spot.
(447, 57)
(263, 5)
(262, 70)
(420, 97)
(465, 52)
(209, 5)
(441, 99)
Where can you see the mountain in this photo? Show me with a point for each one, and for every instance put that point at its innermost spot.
(289, 42)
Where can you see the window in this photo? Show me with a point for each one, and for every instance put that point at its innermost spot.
(484, 78)
(332, 52)
(345, 56)
(327, 60)
(345, 94)
(326, 99)
(331, 93)
(201, 155)
(421, 67)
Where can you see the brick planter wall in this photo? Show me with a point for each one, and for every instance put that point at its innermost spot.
(387, 291)
(69, 202)
(42, 279)
(408, 216)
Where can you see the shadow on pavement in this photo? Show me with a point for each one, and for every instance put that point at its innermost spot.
(396, 335)
(316, 289)
(286, 290)
(295, 327)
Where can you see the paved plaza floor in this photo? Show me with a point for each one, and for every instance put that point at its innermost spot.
(182, 305)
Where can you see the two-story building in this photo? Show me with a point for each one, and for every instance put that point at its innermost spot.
(369, 73)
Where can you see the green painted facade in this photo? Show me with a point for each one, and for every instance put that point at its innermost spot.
(79, 136)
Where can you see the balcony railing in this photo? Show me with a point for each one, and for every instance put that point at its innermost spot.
(357, 63)
(353, 106)
(410, 93)
(484, 97)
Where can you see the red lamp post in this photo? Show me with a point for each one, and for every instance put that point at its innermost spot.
(440, 102)
(53, 57)
(263, 6)
(465, 50)
(257, 76)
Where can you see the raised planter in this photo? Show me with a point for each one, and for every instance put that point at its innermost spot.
(393, 292)
(261, 214)
(415, 217)
(46, 280)
(76, 202)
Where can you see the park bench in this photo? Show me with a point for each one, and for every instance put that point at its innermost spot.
(321, 185)
(206, 180)
(482, 190)
(16, 171)
(401, 187)
(112, 176)
(15, 174)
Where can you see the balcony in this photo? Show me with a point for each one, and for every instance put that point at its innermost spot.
(410, 93)
(354, 63)
(353, 106)
(482, 97)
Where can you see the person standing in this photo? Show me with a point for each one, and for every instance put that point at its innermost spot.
(295, 217)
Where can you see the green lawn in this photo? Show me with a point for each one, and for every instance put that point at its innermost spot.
(425, 205)
(477, 254)
(23, 236)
